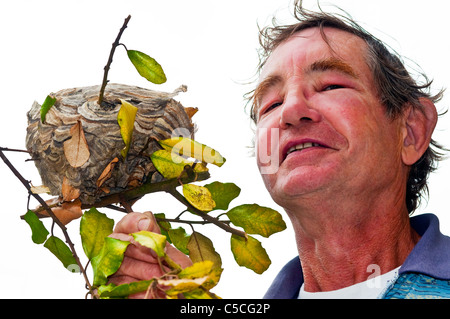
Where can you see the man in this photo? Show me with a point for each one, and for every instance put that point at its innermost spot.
(353, 153)
(343, 145)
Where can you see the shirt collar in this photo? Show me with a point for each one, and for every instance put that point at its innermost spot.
(431, 255)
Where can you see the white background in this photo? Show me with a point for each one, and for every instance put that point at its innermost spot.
(208, 45)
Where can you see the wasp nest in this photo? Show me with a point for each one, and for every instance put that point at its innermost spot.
(77, 118)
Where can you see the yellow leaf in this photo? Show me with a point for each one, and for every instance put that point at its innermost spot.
(205, 268)
(186, 146)
(182, 285)
(154, 241)
(199, 196)
(199, 269)
(248, 252)
(125, 118)
(76, 148)
(171, 165)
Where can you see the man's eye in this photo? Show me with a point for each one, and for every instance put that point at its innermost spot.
(333, 87)
(270, 108)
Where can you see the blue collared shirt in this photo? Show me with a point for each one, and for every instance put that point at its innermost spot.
(424, 274)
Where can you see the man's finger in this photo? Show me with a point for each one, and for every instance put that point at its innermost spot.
(134, 222)
(178, 257)
(138, 269)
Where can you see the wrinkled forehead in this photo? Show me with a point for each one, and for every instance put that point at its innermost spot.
(316, 43)
(314, 49)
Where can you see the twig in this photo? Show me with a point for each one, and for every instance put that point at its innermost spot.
(127, 206)
(168, 186)
(38, 210)
(114, 207)
(205, 216)
(133, 194)
(172, 220)
(5, 149)
(110, 60)
(49, 211)
(142, 190)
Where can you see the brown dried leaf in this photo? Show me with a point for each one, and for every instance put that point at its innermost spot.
(134, 183)
(105, 190)
(69, 193)
(190, 111)
(40, 189)
(67, 212)
(106, 172)
(76, 149)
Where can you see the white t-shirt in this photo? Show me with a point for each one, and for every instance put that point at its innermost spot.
(369, 289)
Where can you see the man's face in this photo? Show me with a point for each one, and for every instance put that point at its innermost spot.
(321, 127)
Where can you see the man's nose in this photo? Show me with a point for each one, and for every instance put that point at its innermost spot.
(296, 109)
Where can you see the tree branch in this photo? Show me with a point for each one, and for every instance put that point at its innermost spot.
(110, 60)
(5, 149)
(138, 192)
(205, 216)
(49, 211)
(168, 186)
(182, 221)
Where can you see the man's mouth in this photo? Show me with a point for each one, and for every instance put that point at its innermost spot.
(302, 146)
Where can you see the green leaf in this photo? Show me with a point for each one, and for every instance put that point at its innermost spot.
(201, 248)
(147, 66)
(163, 225)
(125, 118)
(223, 193)
(187, 147)
(180, 239)
(46, 106)
(250, 253)
(171, 165)
(124, 290)
(60, 250)
(38, 231)
(94, 227)
(199, 197)
(256, 219)
(108, 261)
(154, 241)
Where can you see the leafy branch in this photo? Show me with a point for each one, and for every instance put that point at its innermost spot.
(144, 64)
(205, 216)
(168, 186)
(181, 163)
(49, 211)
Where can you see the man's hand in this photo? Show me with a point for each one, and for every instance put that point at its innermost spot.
(140, 263)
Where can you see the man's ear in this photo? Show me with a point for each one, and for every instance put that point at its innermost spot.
(419, 126)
